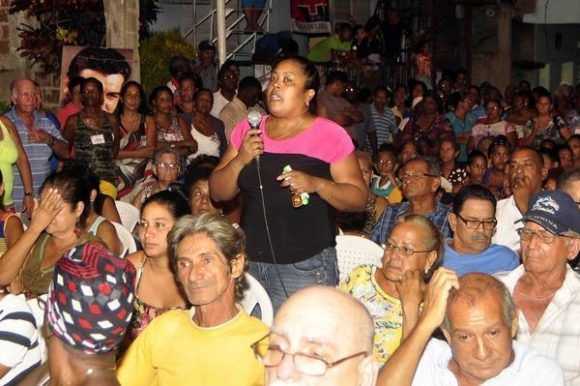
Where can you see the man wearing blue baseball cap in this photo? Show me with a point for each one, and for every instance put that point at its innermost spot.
(545, 289)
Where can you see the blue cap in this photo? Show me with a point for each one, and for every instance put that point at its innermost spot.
(555, 211)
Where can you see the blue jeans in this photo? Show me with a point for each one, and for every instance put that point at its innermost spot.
(320, 269)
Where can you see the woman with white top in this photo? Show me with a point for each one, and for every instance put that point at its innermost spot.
(206, 130)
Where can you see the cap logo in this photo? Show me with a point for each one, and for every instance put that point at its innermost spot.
(546, 204)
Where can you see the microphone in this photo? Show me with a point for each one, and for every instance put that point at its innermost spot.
(254, 119)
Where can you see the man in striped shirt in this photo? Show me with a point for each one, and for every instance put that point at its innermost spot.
(39, 137)
(19, 348)
(380, 123)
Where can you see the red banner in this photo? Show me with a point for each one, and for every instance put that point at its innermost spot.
(311, 16)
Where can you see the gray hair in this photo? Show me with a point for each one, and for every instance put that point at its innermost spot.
(163, 151)
(473, 287)
(433, 242)
(432, 164)
(229, 238)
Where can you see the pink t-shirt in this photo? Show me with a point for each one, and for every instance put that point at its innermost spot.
(324, 140)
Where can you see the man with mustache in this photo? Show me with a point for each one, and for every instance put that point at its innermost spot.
(526, 171)
(473, 222)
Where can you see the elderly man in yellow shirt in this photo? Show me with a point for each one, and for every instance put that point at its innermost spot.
(211, 345)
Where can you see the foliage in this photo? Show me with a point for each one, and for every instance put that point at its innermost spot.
(67, 22)
(156, 51)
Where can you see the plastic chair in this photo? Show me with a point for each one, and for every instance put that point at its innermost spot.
(129, 214)
(256, 295)
(352, 251)
(126, 238)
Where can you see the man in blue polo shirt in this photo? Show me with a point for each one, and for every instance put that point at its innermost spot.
(473, 222)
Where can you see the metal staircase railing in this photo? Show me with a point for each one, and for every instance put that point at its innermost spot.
(240, 45)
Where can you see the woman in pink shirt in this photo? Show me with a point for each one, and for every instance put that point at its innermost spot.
(291, 237)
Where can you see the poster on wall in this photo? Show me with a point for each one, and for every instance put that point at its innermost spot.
(311, 16)
(111, 66)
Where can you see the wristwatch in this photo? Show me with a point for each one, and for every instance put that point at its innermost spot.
(27, 194)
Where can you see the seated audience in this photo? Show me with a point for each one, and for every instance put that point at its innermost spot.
(545, 125)
(393, 293)
(138, 137)
(96, 224)
(156, 291)
(546, 291)
(408, 151)
(375, 204)
(188, 85)
(379, 120)
(448, 153)
(249, 94)
(385, 184)
(72, 103)
(228, 79)
(206, 130)
(427, 127)
(82, 344)
(565, 157)
(473, 222)
(10, 225)
(326, 49)
(526, 173)
(166, 171)
(94, 136)
(196, 182)
(19, 347)
(331, 104)
(421, 180)
(478, 318)
(495, 178)
(172, 131)
(461, 120)
(476, 167)
(304, 349)
(55, 228)
(212, 343)
(569, 182)
(491, 126)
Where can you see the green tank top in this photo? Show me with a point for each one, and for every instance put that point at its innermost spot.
(94, 148)
(8, 156)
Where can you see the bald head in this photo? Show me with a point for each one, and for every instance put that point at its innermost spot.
(475, 288)
(320, 311)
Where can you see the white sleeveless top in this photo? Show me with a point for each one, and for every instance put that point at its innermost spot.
(205, 145)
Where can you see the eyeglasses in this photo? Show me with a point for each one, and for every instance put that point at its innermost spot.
(167, 165)
(414, 176)
(304, 363)
(385, 162)
(545, 236)
(405, 251)
(474, 224)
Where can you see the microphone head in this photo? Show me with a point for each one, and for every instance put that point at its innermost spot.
(254, 118)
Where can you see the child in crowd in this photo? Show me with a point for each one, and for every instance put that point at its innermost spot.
(384, 185)
(495, 177)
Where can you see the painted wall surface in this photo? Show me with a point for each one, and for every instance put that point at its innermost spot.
(556, 12)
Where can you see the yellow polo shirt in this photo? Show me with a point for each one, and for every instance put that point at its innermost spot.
(174, 351)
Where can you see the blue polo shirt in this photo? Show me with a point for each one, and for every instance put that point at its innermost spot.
(496, 258)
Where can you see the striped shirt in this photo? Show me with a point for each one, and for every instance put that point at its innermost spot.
(38, 153)
(19, 348)
(557, 334)
(384, 125)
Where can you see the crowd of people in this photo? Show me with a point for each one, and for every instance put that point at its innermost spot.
(472, 194)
